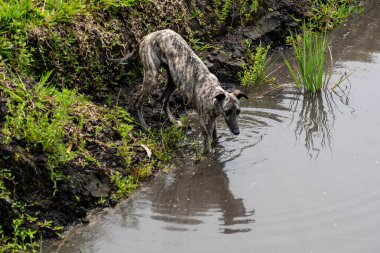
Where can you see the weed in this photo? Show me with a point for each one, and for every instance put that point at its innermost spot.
(25, 228)
(196, 13)
(123, 126)
(309, 67)
(330, 13)
(62, 11)
(5, 175)
(26, 236)
(197, 147)
(6, 47)
(124, 150)
(145, 170)
(91, 160)
(102, 201)
(254, 74)
(198, 45)
(248, 8)
(110, 4)
(222, 9)
(39, 116)
(171, 137)
(124, 185)
(15, 15)
(162, 142)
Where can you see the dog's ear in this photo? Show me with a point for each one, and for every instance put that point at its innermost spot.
(238, 94)
(220, 97)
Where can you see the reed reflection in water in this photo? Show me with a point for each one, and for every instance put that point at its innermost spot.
(316, 117)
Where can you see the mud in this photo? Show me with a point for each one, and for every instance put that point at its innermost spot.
(302, 176)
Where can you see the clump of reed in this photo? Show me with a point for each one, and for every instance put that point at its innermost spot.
(311, 69)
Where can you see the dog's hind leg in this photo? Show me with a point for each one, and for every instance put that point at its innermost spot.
(141, 97)
(165, 99)
(150, 80)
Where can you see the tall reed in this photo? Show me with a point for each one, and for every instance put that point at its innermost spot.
(310, 69)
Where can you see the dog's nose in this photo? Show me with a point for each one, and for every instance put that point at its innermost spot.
(236, 131)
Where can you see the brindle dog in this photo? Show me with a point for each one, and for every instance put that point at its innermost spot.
(190, 75)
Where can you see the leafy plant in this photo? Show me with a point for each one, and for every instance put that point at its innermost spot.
(255, 72)
(5, 175)
(15, 15)
(39, 116)
(310, 68)
(171, 137)
(118, 3)
(26, 235)
(249, 7)
(62, 11)
(26, 229)
(125, 185)
(330, 13)
(222, 9)
(198, 45)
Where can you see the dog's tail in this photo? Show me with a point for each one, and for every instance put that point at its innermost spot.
(129, 56)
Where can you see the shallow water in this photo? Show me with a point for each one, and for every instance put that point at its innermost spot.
(303, 175)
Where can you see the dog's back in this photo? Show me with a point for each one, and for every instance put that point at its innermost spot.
(168, 49)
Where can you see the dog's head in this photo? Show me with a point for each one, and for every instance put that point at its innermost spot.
(229, 107)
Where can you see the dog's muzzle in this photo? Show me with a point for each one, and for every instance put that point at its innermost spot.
(236, 131)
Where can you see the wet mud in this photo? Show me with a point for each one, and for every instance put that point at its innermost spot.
(301, 177)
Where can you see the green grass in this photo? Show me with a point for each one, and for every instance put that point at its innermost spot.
(124, 185)
(248, 8)
(330, 13)
(39, 116)
(310, 68)
(223, 9)
(254, 73)
(26, 228)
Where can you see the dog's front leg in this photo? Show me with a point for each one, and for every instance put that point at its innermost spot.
(214, 134)
(206, 139)
(209, 135)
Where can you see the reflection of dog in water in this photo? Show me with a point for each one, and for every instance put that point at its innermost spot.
(190, 75)
(196, 191)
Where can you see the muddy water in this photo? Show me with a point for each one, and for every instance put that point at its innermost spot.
(303, 176)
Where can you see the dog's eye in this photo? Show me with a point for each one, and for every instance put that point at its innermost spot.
(237, 112)
(228, 112)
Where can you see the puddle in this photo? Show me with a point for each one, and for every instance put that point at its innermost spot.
(303, 175)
